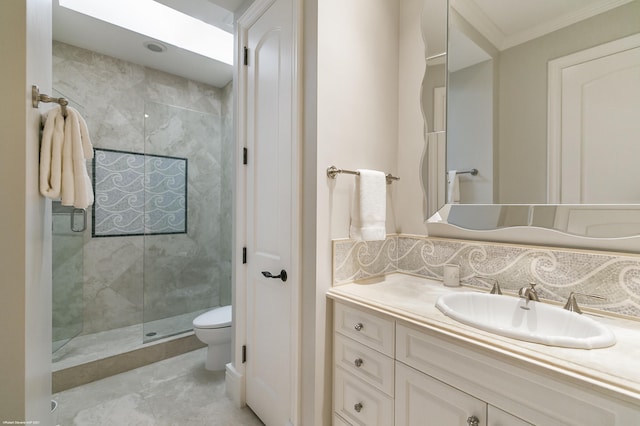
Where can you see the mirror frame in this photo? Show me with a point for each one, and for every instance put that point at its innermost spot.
(438, 225)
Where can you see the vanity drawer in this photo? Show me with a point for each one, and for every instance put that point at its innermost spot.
(416, 349)
(358, 403)
(373, 330)
(365, 363)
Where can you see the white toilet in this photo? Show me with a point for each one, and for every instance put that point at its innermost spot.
(214, 329)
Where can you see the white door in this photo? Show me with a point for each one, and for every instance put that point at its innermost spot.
(272, 218)
(598, 147)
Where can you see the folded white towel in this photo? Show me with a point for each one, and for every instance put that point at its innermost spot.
(453, 192)
(369, 207)
(66, 146)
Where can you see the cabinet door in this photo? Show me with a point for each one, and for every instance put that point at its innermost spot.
(423, 400)
(497, 417)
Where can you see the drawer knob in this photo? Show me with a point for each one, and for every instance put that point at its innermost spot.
(473, 421)
(358, 362)
(358, 326)
(358, 407)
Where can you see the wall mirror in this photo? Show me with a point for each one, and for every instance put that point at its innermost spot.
(542, 99)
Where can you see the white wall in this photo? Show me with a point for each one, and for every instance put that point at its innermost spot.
(352, 85)
(470, 136)
(25, 224)
(312, 338)
(357, 99)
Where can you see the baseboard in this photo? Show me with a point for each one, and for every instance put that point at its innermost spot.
(234, 382)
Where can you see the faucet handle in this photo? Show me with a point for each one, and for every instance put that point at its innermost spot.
(495, 289)
(572, 303)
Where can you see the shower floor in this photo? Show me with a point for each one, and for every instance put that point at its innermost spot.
(92, 347)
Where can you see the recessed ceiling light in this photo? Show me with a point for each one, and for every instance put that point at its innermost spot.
(160, 22)
(155, 47)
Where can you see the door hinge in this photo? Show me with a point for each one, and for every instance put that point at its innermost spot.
(245, 59)
(244, 353)
(245, 156)
(244, 255)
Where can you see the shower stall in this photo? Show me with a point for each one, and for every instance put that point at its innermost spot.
(154, 251)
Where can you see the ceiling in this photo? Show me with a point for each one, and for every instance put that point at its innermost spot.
(499, 24)
(88, 33)
(507, 23)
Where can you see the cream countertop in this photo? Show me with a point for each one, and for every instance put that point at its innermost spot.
(614, 370)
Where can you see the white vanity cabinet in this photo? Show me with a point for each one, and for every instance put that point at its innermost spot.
(427, 376)
(497, 417)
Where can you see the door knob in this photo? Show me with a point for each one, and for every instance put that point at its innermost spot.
(282, 275)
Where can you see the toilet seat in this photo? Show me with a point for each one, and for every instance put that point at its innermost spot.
(215, 318)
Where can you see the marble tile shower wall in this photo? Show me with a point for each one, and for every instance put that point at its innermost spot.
(557, 272)
(114, 96)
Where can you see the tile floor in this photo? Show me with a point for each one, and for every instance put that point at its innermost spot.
(174, 392)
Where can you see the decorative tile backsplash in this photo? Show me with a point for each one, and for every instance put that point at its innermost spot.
(557, 272)
(354, 260)
(138, 194)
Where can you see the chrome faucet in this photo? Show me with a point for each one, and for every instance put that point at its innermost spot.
(529, 293)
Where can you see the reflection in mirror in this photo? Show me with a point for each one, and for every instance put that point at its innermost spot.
(500, 54)
(594, 221)
(434, 96)
(516, 71)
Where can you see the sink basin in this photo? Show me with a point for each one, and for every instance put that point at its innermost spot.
(529, 321)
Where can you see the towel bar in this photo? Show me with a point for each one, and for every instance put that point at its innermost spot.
(333, 172)
(37, 97)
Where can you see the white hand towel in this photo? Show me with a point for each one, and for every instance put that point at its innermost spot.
(63, 171)
(453, 192)
(369, 207)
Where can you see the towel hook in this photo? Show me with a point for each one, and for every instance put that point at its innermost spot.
(37, 97)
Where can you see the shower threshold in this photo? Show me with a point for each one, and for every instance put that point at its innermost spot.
(91, 347)
(93, 356)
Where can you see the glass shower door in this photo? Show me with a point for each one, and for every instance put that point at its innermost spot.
(187, 259)
(67, 294)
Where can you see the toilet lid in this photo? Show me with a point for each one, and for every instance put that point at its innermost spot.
(215, 318)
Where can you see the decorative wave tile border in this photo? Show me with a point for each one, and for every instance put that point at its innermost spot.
(356, 260)
(557, 272)
(138, 194)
